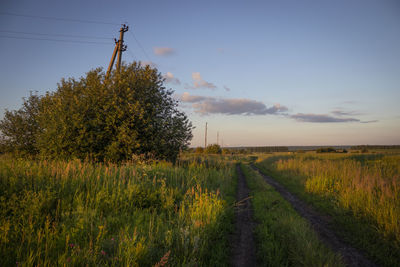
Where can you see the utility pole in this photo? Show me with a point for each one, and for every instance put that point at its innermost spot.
(119, 48)
(217, 138)
(205, 138)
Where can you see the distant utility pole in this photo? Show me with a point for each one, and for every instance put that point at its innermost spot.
(119, 48)
(205, 138)
(217, 138)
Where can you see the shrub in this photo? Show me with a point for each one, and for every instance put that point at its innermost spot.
(199, 150)
(129, 113)
(326, 150)
(213, 149)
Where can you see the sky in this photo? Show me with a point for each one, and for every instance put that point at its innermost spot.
(260, 73)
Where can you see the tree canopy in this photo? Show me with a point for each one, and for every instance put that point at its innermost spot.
(129, 113)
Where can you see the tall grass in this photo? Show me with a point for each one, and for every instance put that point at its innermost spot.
(75, 213)
(365, 186)
(371, 189)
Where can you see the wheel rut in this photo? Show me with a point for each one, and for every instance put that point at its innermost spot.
(351, 256)
(243, 245)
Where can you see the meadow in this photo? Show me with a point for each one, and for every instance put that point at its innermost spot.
(75, 213)
(361, 192)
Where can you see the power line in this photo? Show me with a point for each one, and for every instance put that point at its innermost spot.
(54, 40)
(56, 34)
(58, 18)
(141, 47)
(131, 54)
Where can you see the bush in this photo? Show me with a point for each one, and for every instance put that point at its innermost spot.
(226, 151)
(199, 150)
(130, 113)
(326, 150)
(364, 150)
(213, 149)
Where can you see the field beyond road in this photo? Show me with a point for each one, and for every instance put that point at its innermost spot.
(360, 193)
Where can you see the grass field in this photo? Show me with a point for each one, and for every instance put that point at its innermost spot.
(361, 192)
(76, 214)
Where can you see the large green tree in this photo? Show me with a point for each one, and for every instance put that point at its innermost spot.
(129, 113)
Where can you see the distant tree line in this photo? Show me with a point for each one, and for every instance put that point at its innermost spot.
(330, 150)
(129, 114)
(326, 150)
(368, 147)
(264, 149)
(216, 149)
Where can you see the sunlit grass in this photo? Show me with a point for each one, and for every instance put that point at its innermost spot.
(365, 187)
(371, 189)
(75, 213)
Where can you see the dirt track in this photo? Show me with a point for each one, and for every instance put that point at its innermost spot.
(243, 247)
(350, 255)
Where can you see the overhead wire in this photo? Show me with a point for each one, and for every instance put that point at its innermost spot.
(57, 34)
(131, 54)
(58, 18)
(141, 47)
(67, 35)
(54, 40)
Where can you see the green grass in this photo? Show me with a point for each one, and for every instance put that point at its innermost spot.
(360, 192)
(283, 237)
(76, 214)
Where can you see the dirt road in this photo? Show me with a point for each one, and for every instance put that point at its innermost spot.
(243, 246)
(350, 255)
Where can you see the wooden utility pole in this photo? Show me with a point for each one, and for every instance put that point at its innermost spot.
(205, 138)
(119, 48)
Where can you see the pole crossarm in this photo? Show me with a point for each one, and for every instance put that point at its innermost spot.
(118, 49)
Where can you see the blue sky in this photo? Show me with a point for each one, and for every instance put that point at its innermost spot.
(259, 72)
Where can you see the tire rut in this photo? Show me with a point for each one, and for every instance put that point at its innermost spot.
(350, 255)
(243, 245)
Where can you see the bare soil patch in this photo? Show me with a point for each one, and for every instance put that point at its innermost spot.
(320, 223)
(243, 245)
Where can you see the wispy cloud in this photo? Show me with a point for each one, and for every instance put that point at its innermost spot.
(170, 78)
(320, 118)
(163, 51)
(372, 121)
(198, 82)
(345, 113)
(188, 98)
(207, 105)
(230, 106)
